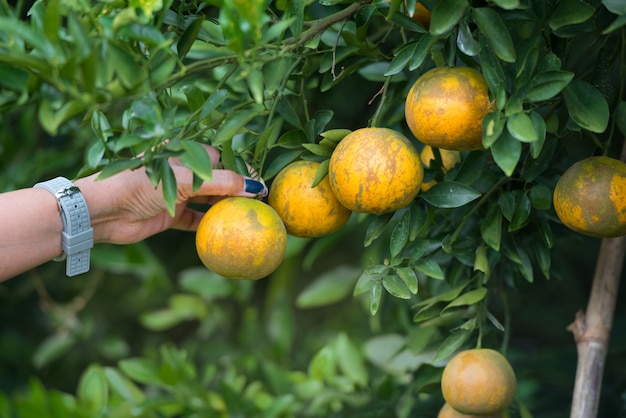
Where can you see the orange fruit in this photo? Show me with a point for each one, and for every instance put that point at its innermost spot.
(306, 211)
(478, 382)
(447, 411)
(241, 238)
(375, 170)
(590, 197)
(449, 159)
(445, 108)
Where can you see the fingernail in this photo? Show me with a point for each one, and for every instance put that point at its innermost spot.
(255, 187)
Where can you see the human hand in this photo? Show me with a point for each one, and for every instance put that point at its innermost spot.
(127, 208)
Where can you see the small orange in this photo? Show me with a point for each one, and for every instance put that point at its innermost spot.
(375, 170)
(448, 159)
(445, 108)
(447, 411)
(241, 238)
(590, 197)
(478, 382)
(306, 211)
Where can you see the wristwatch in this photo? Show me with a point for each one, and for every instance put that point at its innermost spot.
(77, 235)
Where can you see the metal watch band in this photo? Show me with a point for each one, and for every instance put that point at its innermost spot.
(77, 236)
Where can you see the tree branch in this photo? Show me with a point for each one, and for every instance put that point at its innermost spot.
(592, 330)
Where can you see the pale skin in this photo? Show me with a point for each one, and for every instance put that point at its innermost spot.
(124, 209)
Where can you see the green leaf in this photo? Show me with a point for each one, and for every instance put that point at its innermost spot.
(620, 117)
(492, 26)
(197, 158)
(470, 298)
(545, 85)
(586, 106)
(493, 126)
(189, 36)
(161, 319)
(491, 227)
(430, 269)
(446, 14)
(170, 189)
(408, 276)
(52, 348)
(93, 391)
(466, 42)
(233, 124)
(400, 234)
(212, 102)
(396, 287)
(376, 227)
(371, 275)
(330, 287)
(376, 293)
(521, 127)
(540, 197)
(118, 166)
(401, 59)
(570, 12)
(506, 152)
(319, 150)
(539, 124)
(130, 72)
(422, 49)
(451, 345)
(122, 386)
(141, 370)
(350, 360)
(521, 213)
(450, 194)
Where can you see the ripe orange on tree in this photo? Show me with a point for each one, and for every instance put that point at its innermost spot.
(375, 170)
(446, 106)
(306, 211)
(478, 382)
(449, 159)
(590, 197)
(447, 411)
(241, 238)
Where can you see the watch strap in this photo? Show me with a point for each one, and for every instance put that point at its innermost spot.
(77, 235)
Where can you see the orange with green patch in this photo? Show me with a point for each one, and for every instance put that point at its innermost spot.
(590, 197)
(446, 106)
(241, 238)
(375, 170)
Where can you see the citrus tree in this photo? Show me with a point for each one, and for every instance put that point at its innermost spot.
(361, 318)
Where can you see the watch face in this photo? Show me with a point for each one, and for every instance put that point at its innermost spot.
(67, 191)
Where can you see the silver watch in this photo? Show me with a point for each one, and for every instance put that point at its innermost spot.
(77, 236)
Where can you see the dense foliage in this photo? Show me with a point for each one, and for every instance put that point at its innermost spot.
(358, 323)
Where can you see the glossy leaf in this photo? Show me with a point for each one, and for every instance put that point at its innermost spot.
(446, 14)
(450, 194)
(93, 390)
(350, 360)
(371, 275)
(430, 269)
(465, 41)
(491, 227)
(586, 106)
(570, 12)
(506, 152)
(521, 127)
(408, 276)
(451, 345)
(396, 287)
(400, 234)
(197, 158)
(548, 84)
(470, 298)
(492, 26)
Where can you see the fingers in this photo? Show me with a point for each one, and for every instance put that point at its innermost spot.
(224, 183)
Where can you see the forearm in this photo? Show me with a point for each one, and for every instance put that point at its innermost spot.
(30, 230)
